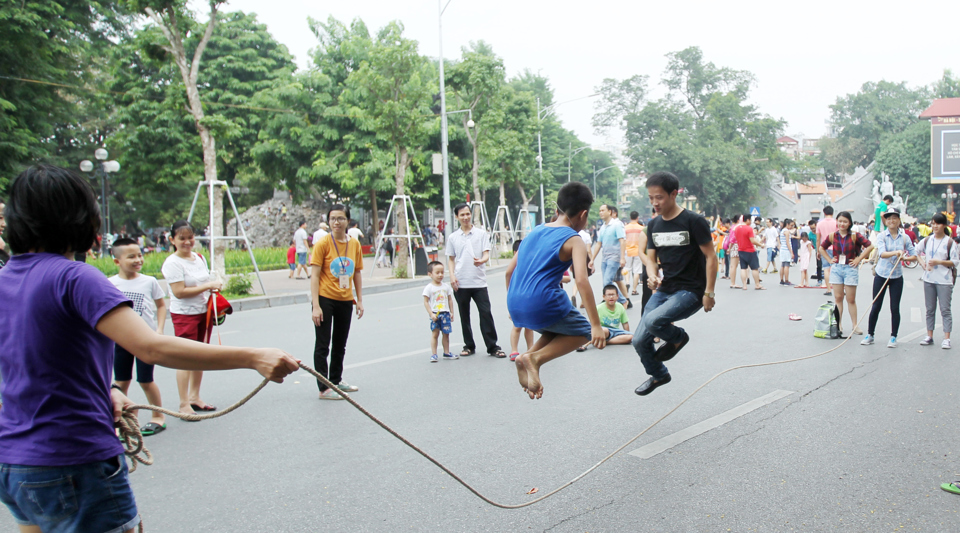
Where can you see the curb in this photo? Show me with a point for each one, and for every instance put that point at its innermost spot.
(263, 302)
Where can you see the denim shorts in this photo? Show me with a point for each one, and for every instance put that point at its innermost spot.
(844, 275)
(59, 499)
(616, 332)
(301, 258)
(443, 323)
(572, 325)
(771, 254)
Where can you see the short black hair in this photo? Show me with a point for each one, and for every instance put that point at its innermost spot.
(458, 207)
(516, 245)
(665, 180)
(51, 209)
(610, 287)
(634, 215)
(122, 241)
(574, 198)
(338, 207)
(747, 218)
(433, 264)
(302, 222)
(827, 210)
(888, 197)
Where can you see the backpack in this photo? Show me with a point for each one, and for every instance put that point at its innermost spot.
(826, 322)
(953, 269)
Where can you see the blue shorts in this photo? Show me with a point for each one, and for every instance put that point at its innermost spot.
(293, 266)
(442, 322)
(302, 258)
(771, 253)
(87, 497)
(572, 325)
(844, 275)
(616, 332)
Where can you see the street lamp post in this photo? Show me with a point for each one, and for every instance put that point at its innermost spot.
(103, 170)
(570, 153)
(949, 196)
(597, 173)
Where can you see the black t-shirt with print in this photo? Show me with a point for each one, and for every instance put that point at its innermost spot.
(677, 243)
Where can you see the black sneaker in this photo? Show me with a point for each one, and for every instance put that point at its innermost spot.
(629, 304)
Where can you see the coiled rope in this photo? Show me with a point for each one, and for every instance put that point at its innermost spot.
(133, 440)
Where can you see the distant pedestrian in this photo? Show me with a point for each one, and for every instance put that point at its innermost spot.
(786, 236)
(292, 258)
(337, 265)
(147, 297)
(805, 253)
(283, 211)
(940, 259)
(771, 236)
(438, 300)
(634, 232)
(354, 231)
(825, 227)
(300, 241)
(610, 245)
(322, 232)
(747, 243)
(893, 247)
(588, 241)
(732, 256)
(468, 250)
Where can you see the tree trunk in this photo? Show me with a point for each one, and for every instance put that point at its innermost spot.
(170, 26)
(376, 218)
(403, 252)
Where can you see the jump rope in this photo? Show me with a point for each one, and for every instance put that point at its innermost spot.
(133, 440)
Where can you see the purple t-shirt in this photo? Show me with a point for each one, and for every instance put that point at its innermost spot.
(56, 366)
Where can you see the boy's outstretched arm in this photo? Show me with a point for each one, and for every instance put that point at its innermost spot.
(712, 266)
(579, 253)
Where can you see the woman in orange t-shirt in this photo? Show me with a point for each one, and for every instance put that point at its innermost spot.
(335, 264)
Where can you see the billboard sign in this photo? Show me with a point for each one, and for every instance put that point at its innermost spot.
(945, 150)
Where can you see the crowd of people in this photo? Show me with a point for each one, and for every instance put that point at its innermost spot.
(70, 338)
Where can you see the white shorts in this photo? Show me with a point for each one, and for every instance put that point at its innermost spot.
(634, 265)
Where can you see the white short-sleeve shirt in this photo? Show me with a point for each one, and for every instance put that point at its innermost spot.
(466, 247)
(300, 240)
(143, 291)
(192, 273)
(439, 296)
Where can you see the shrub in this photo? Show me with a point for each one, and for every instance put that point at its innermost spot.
(239, 284)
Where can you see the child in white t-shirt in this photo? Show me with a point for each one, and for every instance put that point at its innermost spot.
(437, 299)
(147, 297)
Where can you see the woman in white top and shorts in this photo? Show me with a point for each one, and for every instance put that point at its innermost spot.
(190, 284)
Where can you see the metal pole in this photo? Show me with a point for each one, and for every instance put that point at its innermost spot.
(543, 215)
(569, 158)
(443, 133)
(594, 181)
(103, 208)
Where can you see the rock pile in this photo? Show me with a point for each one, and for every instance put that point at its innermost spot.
(268, 227)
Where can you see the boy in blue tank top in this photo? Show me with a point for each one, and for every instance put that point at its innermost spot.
(535, 297)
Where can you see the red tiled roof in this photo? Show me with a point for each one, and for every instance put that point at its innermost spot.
(786, 140)
(943, 107)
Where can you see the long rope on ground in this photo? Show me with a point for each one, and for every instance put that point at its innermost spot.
(133, 440)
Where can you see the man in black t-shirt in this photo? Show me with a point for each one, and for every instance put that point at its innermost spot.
(681, 241)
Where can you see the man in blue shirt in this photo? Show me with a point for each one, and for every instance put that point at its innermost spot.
(611, 245)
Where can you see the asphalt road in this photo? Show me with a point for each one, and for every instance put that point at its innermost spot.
(859, 440)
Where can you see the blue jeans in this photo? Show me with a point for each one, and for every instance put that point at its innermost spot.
(658, 317)
(88, 497)
(609, 270)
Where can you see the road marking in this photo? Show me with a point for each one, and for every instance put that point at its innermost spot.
(912, 336)
(649, 450)
(915, 314)
(405, 307)
(385, 359)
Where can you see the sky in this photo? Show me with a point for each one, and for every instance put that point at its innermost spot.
(804, 55)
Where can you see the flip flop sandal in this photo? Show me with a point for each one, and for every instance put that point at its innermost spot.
(953, 488)
(204, 408)
(514, 355)
(152, 429)
(794, 316)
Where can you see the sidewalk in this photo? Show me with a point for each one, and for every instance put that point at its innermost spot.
(282, 290)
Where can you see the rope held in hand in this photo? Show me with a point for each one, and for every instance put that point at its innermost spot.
(133, 440)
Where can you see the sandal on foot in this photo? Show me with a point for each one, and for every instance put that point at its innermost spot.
(204, 408)
(514, 355)
(467, 351)
(152, 429)
(498, 354)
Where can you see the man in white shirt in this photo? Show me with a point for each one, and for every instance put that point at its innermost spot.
(355, 232)
(300, 241)
(321, 233)
(771, 236)
(468, 250)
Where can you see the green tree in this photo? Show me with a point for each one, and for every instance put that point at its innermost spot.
(905, 157)
(877, 110)
(391, 96)
(46, 47)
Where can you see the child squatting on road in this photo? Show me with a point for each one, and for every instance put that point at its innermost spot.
(437, 298)
(535, 298)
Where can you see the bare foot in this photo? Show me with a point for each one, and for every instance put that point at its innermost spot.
(521, 372)
(534, 387)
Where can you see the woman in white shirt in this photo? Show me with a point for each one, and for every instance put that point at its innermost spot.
(939, 257)
(190, 284)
